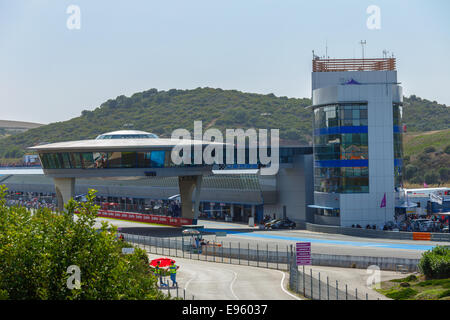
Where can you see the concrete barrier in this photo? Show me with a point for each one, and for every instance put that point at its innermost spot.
(362, 262)
(369, 233)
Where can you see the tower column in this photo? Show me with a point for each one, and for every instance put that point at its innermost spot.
(65, 189)
(187, 184)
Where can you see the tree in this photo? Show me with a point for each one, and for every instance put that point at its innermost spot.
(431, 177)
(410, 171)
(430, 149)
(444, 174)
(37, 248)
(447, 149)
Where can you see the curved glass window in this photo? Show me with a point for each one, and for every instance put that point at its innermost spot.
(341, 150)
(398, 144)
(107, 160)
(127, 136)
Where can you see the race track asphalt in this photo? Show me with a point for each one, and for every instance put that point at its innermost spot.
(323, 243)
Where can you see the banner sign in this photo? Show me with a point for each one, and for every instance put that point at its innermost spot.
(303, 253)
(131, 216)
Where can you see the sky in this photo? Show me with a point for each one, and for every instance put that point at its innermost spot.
(50, 72)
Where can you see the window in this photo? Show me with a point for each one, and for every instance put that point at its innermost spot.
(87, 159)
(157, 159)
(340, 140)
(398, 144)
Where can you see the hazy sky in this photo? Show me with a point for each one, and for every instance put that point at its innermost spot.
(50, 73)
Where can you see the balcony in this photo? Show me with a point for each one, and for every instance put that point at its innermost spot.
(337, 65)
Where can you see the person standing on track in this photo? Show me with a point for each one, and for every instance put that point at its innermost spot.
(158, 272)
(173, 273)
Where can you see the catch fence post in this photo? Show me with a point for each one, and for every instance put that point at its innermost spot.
(356, 293)
(346, 294)
(319, 287)
(230, 252)
(222, 249)
(311, 283)
(239, 253)
(337, 290)
(267, 251)
(304, 281)
(277, 256)
(257, 255)
(328, 289)
(248, 253)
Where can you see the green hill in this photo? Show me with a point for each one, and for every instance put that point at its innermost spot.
(427, 157)
(161, 112)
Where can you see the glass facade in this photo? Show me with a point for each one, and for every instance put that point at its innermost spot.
(150, 159)
(103, 160)
(398, 144)
(341, 149)
(127, 136)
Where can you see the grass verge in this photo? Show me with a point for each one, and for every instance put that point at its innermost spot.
(416, 288)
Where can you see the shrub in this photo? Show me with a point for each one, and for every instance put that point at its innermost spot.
(409, 278)
(432, 177)
(37, 248)
(446, 293)
(435, 263)
(447, 149)
(430, 149)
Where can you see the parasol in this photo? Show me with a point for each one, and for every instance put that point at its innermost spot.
(164, 262)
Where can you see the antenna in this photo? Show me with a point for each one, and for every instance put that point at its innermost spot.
(326, 49)
(362, 43)
(385, 53)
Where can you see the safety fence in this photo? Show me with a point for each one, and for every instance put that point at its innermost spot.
(312, 285)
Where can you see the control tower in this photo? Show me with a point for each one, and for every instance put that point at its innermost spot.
(358, 130)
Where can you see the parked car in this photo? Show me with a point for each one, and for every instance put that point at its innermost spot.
(270, 223)
(283, 224)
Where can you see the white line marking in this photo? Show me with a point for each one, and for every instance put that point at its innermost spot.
(231, 284)
(282, 287)
(189, 281)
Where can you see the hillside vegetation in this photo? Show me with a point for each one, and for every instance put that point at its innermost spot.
(427, 157)
(161, 112)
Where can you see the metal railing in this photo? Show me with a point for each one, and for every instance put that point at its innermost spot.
(267, 256)
(310, 284)
(272, 257)
(335, 65)
(316, 286)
